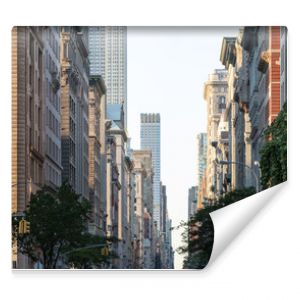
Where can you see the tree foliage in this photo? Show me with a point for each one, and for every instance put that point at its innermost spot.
(90, 255)
(58, 224)
(274, 153)
(198, 235)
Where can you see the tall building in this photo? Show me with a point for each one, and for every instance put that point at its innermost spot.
(94, 50)
(108, 57)
(28, 127)
(192, 201)
(232, 58)
(256, 64)
(112, 194)
(143, 170)
(130, 184)
(283, 65)
(215, 92)
(115, 113)
(94, 42)
(74, 107)
(96, 91)
(150, 140)
(169, 248)
(52, 167)
(201, 155)
(201, 162)
(163, 208)
(165, 234)
(260, 99)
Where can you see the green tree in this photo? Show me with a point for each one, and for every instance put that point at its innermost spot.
(198, 235)
(91, 255)
(273, 161)
(58, 224)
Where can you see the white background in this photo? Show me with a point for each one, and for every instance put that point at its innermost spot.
(262, 262)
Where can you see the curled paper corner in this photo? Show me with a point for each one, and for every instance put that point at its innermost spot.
(229, 221)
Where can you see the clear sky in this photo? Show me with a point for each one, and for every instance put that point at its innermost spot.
(167, 67)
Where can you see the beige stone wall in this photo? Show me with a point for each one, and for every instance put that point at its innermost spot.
(143, 170)
(94, 159)
(215, 87)
(27, 119)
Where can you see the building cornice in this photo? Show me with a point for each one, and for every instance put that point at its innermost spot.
(98, 82)
(228, 53)
(118, 132)
(81, 45)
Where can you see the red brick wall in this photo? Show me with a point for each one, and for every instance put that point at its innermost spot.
(274, 73)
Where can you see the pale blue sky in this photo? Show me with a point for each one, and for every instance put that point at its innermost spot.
(167, 67)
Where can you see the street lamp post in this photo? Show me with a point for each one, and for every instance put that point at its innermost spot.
(223, 162)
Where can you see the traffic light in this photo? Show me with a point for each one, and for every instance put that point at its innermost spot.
(27, 227)
(104, 251)
(24, 227)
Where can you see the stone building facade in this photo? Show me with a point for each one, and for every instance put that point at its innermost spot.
(215, 93)
(74, 108)
(63, 130)
(130, 196)
(143, 208)
(96, 91)
(112, 195)
(52, 116)
(283, 65)
(255, 62)
(256, 81)
(115, 113)
(28, 123)
(201, 155)
(231, 58)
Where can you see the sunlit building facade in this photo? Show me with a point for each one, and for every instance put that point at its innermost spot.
(215, 93)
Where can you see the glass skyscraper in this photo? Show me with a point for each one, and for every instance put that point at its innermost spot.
(108, 58)
(150, 140)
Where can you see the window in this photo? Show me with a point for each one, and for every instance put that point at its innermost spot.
(39, 118)
(30, 75)
(31, 116)
(65, 50)
(31, 47)
(221, 103)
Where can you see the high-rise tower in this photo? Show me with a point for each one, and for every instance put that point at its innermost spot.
(108, 58)
(150, 140)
